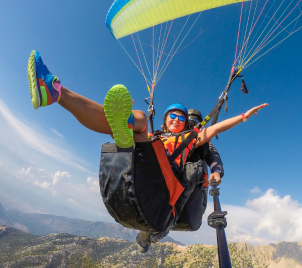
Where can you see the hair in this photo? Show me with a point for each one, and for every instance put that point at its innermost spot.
(163, 128)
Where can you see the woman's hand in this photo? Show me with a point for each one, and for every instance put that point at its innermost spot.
(254, 110)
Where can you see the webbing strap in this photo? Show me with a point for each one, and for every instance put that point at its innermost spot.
(151, 114)
(214, 113)
(176, 140)
(223, 98)
(151, 110)
(193, 135)
(182, 159)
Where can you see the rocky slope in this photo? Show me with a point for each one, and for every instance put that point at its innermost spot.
(19, 249)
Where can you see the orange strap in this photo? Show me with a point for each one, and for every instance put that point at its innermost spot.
(174, 186)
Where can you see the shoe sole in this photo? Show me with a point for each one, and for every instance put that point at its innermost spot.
(118, 108)
(33, 83)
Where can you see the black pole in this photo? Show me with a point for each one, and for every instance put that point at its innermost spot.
(217, 220)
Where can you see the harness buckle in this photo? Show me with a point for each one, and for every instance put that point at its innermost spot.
(224, 95)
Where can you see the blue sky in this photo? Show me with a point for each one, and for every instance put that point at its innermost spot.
(49, 162)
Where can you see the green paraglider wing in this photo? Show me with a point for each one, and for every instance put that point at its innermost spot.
(130, 16)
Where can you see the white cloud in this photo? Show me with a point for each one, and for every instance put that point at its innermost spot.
(24, 171)
(57, 133)
(267, 219)
(43, 185)
(255, 190)
(16, 133)
(77, 194)
(34, 175)
(25, 174)
(57, 185)
(94, 185)
(72, 201)
(59, 176)
(279, 217)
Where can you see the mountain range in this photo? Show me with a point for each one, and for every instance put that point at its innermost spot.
(43, 224)
(20, 249)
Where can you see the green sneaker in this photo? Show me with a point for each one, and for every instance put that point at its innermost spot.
(118, 111)
(45, 88)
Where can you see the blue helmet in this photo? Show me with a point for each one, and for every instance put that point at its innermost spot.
(176, 107)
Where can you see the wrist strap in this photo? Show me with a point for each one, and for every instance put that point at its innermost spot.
(244, 118)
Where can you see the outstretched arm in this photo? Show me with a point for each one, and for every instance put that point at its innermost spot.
(210, 132)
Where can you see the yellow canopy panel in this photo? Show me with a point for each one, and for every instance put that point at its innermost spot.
(129, 16)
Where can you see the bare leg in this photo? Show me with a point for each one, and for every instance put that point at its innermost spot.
(91, 115)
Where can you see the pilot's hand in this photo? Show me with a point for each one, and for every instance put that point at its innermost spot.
(215, 176)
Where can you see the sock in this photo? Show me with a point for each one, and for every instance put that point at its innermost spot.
(56, 93)
(131, 121)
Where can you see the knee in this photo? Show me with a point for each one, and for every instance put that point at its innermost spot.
(140, 116)
(141, 121)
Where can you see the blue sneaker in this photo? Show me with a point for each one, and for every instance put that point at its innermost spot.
(45, 88)
(118, 111)
(143, 241)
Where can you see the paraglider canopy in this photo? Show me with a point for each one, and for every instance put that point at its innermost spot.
(126, 17)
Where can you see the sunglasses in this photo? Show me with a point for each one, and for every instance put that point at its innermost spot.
(180, 117)
(196, 120)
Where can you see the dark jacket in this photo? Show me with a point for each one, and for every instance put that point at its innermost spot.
(208, 153)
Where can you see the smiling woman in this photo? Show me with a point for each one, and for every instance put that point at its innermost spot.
(175, 118)
(175, 122)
